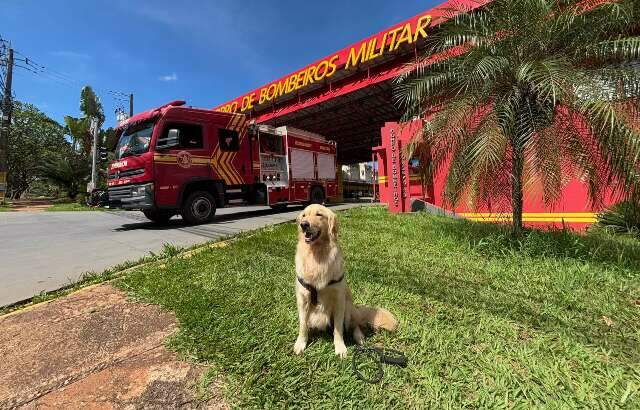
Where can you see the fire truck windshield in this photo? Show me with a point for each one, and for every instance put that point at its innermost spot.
(134, 141)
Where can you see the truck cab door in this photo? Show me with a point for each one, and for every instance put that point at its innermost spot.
(178, 165)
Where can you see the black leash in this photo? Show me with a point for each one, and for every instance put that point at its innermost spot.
(378, 355)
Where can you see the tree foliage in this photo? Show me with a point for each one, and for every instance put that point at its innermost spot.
(39, 150)
(68, 169)
(623, 217)
(33, 137)
(109, 138)
(533, 93)
(90, 105)
(80, 128)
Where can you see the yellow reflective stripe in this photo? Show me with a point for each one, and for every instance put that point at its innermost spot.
(580, 217)
(237, 122)
(234, 171)
(223, 165)
(233, 122)
(530, 214)
(219, 166)
(582, 220)
(166, 158)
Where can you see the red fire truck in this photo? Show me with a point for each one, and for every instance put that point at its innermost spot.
(180, 160)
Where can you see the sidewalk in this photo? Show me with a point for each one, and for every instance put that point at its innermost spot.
(95, 349)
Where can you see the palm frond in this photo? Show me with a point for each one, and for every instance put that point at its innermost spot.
(531, 88)
(623, 49)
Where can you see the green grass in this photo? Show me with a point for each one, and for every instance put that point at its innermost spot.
(56, 206)
(485, 321)
(72, 206)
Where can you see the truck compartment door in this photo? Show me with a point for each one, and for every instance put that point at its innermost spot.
(302, 164)
(326, 167)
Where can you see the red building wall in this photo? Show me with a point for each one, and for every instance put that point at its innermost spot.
(573, 210)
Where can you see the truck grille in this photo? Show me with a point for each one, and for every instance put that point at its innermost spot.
(127, 173)
(118, 193)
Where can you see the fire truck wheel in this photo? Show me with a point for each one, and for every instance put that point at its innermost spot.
(158, 217)
(317, 195)
(199, 208)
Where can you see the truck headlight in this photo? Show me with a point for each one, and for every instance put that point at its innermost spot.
(142, 190)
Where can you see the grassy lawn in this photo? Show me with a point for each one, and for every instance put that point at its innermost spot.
(72, 206)
(51, 206)
(550, 321)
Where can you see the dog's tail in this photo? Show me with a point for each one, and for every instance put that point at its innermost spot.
(376, 317)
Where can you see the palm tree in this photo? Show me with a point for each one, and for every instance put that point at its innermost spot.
(533, 92)
(69, 171)
(80, 128)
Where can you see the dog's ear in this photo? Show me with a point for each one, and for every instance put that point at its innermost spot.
(333, 226)
(299, 218)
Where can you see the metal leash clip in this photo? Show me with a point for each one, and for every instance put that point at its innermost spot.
(377, 355)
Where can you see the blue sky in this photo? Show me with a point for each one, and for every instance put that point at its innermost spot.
(206, 52)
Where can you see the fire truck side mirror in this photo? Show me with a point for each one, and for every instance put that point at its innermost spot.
(171, 140)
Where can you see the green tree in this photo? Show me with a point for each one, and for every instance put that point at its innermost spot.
(33, 136)
(90, 105)
(80, 128)
(537, 92)
(69, 170)
(79, 131)
(109, 138)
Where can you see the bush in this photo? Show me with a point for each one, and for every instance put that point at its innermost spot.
(623, 217)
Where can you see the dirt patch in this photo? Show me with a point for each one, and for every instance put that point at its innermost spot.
(94, 349)
(30, 205)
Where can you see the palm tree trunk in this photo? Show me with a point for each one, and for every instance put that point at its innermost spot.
(517, 166)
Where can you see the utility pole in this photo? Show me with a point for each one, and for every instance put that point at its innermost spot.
(130, 105)
(94, 156)
(4, 127)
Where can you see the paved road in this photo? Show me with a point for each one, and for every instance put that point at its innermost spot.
(42, 251)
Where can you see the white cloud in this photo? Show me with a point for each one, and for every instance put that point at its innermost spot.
(170, 77)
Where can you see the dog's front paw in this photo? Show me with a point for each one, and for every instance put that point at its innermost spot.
(341, 350)
(300, 345)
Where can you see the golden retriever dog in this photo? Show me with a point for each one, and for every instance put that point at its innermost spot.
(323, 297)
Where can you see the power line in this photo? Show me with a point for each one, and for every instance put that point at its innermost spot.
(36, 68)
(44, 72)
(30, 61)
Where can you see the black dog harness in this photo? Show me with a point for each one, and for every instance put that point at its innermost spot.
(314, 291)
